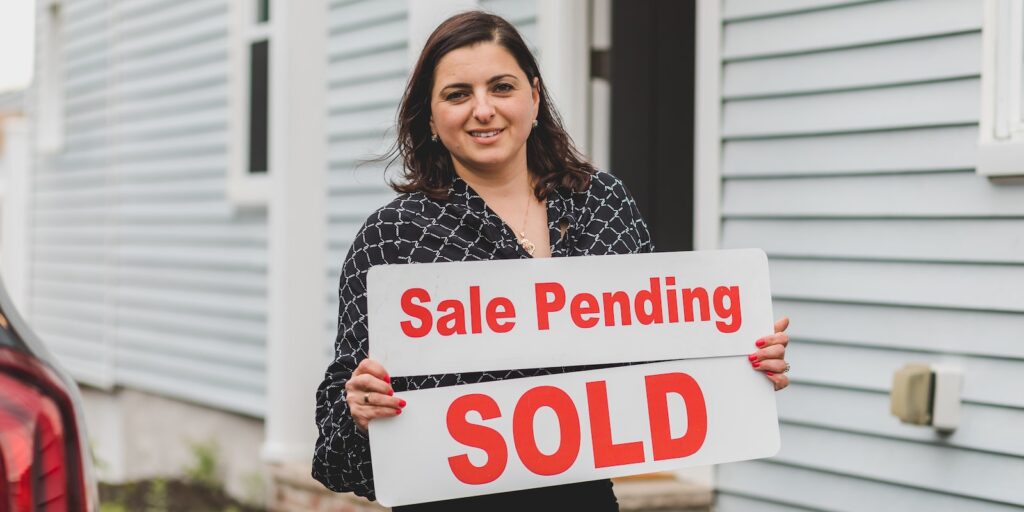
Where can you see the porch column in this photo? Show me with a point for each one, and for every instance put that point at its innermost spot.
(297, 218)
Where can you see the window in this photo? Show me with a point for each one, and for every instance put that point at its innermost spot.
(250, 98)
(1001, 138)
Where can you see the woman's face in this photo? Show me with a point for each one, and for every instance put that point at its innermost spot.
(483, 107)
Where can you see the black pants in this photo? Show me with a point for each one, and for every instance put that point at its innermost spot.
(596, 496)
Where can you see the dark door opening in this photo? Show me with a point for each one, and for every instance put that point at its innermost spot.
(652, 113)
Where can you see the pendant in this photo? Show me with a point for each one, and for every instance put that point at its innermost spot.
(527, 244)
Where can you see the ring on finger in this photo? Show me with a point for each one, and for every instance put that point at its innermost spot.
(366, 398)
(786, 370)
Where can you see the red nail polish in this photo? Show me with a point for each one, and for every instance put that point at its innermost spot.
(752, 357)
(398, 411)
(760, 343)
(387, 378)
(391, 392)
(757, 365)
(401, 403)
(769, 374)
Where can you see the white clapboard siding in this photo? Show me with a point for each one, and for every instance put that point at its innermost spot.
(936, 285)
(943, 103)
(854, 25)
(977, 240)
(911, 150)
(71, 302)
(988, 380)
(923, 466)
(918, 60)
(947, 194)
(849, 139)
(368, 66)
(985, 427)
(735, 10)
(133, 231)
(948, 331)
(791, 487)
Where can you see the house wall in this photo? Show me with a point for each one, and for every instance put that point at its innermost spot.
(145, 275)
(848, 135)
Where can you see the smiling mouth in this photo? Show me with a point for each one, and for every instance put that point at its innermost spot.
(486, 134)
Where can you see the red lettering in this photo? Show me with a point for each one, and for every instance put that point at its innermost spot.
(546, 305)
(474, 309)
(670, 297)
(699, 294)
(651, 297)
(454, 322)
(610, 300)
(416, 311)
(498, 309)
(477, 436)
(568, 426)
(663, 444)
(732, 311)
(584, 304)
(607, 453)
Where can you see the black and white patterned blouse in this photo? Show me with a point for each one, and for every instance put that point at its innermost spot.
(416, 229)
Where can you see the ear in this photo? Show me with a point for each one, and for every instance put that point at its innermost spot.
(535, 90)
(433, 129)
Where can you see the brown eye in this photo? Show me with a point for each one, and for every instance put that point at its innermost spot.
(504, 87)
(452, 96)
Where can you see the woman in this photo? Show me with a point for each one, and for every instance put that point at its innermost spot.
(489, 174)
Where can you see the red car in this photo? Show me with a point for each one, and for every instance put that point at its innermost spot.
(45, 464)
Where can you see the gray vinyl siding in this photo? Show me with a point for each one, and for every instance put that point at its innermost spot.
(12, 102)
(145, 275)
(849, 131)
(368, 65)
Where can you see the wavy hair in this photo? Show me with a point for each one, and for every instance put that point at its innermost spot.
(551, 156)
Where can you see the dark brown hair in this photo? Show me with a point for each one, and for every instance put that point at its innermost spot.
(550, 154)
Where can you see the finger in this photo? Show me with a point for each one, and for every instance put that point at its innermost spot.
(770, 352)
(369, 366)
(376, 400)
(368, 383)
(779, 380)
(782, 324)
(774, 339)
(364, 414)
(770, 365)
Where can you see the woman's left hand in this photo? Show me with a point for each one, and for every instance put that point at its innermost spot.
(770, 356)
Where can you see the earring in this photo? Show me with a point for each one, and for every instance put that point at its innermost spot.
(433, 137)
(535, 123)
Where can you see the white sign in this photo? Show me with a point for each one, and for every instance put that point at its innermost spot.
(468, 440)
(493, 315)
(477, 439)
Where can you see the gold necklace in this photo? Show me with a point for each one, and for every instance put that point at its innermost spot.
(527, 245)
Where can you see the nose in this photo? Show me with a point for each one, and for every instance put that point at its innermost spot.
(483, 111)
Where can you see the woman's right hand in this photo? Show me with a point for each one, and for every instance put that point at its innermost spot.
(369, 394)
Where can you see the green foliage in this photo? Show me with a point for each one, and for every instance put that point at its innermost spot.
(205, 468)
(157, 496)
(113, 507)
(254, 487)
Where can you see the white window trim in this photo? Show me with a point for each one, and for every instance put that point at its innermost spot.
(245, 189)
(707, 143)
(1001, 126)
(50, 85)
